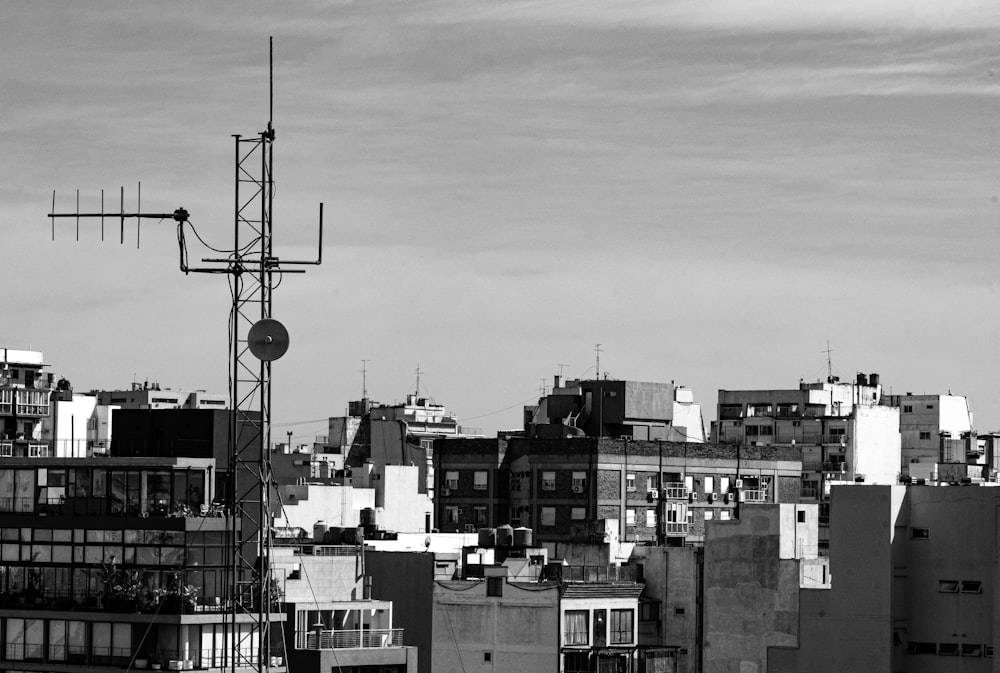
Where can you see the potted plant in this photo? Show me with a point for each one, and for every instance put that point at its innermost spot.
(122, 588)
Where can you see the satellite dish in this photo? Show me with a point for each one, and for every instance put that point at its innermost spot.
(267, 339)
(427, 542)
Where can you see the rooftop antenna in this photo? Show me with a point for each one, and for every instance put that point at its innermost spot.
(418, 379)
(597, 349)
(255, 340)
(542, 388)
(829, 362)
(561, 367)
(364, 379)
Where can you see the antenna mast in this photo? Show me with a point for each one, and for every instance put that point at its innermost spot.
(255, 340)
(597, 349)
(829, 362)
(364, 379)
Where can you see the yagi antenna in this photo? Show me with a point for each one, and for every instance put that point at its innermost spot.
(256, 339)
(180, 215)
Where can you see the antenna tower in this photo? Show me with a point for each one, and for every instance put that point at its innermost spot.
(597, 349)
(255, 340)
(364, 379)
(829, 362)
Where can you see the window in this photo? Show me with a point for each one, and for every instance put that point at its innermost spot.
(709, 514)
(578, 513)
(451, 514)
(487, 656)
(679, 612)
(948, 649)
(788, 409)
(515, 481)
(630, 517)
(548, 516)
(724, 515)
(810, 488)
(972, 587)
(948, 586)
(651, 484)
(579, 482)
(930, 406)
(925, 434)
(621, 627)
(494, 586)
(480, 480)
(759, 431)
(649, 612)
(723, 484)
(907, 408)
(650, 518)
(548, 481)
(576, 627)
(451, 480)
(921, 648)
(730, 411)
(480, 511)
(919, 533)
(630, 483)
(972, 650)
(689, 483)
(709, 484)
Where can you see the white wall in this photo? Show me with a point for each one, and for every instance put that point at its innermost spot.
(875, 444)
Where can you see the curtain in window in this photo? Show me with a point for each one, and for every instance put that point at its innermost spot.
(576, 627)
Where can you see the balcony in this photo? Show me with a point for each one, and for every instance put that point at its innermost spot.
(834, 439)
(675, 491)
(752, 495)
(838, 467)
(103, 506)
(348, 638)
(676, 528)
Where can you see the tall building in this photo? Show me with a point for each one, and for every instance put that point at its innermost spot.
(114, 563)
(926, 424)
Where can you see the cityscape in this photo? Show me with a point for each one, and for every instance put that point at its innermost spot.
(614, 531)
(520, 336)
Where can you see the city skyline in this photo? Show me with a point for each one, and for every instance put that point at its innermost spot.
(711, 191)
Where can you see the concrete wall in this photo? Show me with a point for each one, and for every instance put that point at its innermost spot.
(751, 594)
(848, 628)
(407, 579)
(670, 575)
(321, 578)
(513, 633)
(875, 444)
(336, 505)
(405, 507)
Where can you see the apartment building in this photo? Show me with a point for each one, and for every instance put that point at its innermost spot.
(600, 488)
(24, 401)
(931, 429)
(114, 563)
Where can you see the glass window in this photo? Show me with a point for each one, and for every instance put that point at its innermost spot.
(578, 513)
(630, 517)
(548, 481)
(629, 482)
(451, 479)
(621, 627)
(548, 516)
(479, 481)
(709, 484)
(576, 627)
(650, 518)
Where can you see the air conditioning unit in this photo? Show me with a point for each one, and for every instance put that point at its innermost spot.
(652, 495)
(577, 489)
(692, 496)
(727, 498)
(711, 497)
(739, 483)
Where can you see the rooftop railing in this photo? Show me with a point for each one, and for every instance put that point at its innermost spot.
(348, 638)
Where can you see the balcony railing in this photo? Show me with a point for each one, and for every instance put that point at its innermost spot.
(675, 490)
(104, 507)
(838, 466)
(834, 439)
(753, 495)
(674, 528)
(348, 638)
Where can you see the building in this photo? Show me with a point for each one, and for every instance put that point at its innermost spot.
(24, 401)
(152, 396)
(114, 563)
(616, 408)
(933, 429)
(333, 623)
(914, 578)
(593, 488)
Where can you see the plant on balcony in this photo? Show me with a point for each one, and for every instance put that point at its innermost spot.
(122, 588)
(175, 598)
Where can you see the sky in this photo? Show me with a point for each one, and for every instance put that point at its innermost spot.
(712, 190)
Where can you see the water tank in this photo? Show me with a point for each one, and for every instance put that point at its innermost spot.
(522, 537)
(334, 536)
(354, 535)
(368, 516)
(487, 537)
(505, 534)
(319, 531)
(873, 379)
(862, 379)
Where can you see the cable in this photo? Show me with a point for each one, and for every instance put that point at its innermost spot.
(513, 406)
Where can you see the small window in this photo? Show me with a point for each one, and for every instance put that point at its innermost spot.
(907, 408)
(679, 612)
(709, 484)
(480, 511)
(487, 656)
(972, 650)
(548, 516)
(650, 518)
(630, 482)
(972, 587)
(924, 434)
(480, 480)
(578, 513)
(930, 406)
(451, 480)
(649, 612)
(548, 481)
(919, 533)
(494, 586)
(630, 517)
(987, 650)
(948, 586)
(914, 647)
(948, 649)
(709, 514)
(801, 516)
(724, 515)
